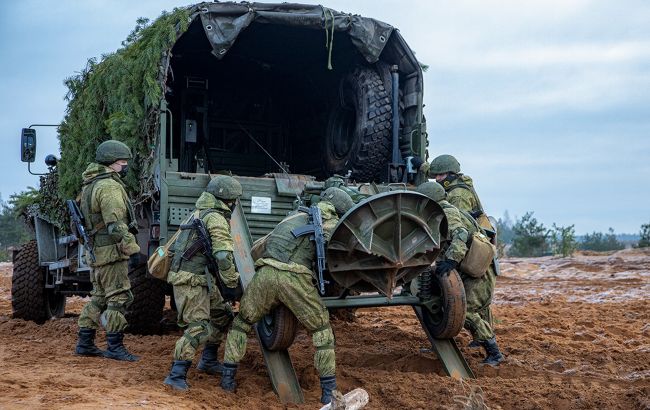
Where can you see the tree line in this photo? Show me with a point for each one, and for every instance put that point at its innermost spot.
(526, 237)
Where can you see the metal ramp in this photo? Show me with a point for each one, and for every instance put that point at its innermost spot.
(447, 351)
(278, 363)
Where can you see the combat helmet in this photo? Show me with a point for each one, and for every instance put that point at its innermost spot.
(443, 164)
(433, 190)
(341, 201)
(110, 151)
(224, 187)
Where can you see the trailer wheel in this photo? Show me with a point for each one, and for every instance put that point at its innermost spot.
(30, 300)
(146, 311)
(358, 134)
(277, 330)
(449, 318)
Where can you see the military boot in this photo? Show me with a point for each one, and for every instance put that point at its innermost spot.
(494, 356)
(228, 372)
(209, 362)
(327, 384)
(86, 343)
(116, 349)
(177, 378)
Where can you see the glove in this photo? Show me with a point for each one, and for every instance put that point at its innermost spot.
(128, 248)
(446, 266)
(232, 294)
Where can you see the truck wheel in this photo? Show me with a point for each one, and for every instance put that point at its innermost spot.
(55, 306)
(28, 297)
(449, 318)
(278, 329)
(146, 311)
(358, 135)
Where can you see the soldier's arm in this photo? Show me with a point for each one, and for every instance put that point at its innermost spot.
(458, 234)
(222, 248)
(113, 209)
(329, 225)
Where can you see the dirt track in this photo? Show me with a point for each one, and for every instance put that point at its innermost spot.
(576, 333)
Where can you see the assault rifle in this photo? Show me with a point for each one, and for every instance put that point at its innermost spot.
(77, 219)
(203, 244)
(315, 229)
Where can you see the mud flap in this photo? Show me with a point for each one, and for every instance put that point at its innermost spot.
(448, 353)
(278, 363)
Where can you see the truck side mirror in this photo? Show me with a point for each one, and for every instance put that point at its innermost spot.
(28, 145)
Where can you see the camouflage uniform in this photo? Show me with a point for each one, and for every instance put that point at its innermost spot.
(201, 309)
(478, 291)
(284, 275)
(108, 213)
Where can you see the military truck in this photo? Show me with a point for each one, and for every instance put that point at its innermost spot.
(281, 96)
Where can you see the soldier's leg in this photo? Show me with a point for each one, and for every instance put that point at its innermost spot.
(220, 317)
(258, 300)
(193, 305)
(478, 319)
(115, 281)
(301, 297)
(89, 319)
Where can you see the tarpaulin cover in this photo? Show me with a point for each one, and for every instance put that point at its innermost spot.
(223, 22)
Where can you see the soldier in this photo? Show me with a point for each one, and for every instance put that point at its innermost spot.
(202, 309)
(460, 189)
(479, 291)
(111, 224)
(284, 275)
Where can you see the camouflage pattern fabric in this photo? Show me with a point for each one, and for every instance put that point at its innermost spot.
(109, 299)
(268, 288)
(202, 310)
(478, 291)
(460, 197)
(288, 282)
(108, 213)
(204, 315)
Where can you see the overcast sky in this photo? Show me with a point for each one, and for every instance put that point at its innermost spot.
(546, 103)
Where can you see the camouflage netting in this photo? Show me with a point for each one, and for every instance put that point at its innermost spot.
(118, 98)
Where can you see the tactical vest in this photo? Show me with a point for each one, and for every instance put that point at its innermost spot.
(94, 223)
(197, 263)
(282, 246)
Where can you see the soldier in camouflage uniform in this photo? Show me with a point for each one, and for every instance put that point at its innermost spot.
(111, 224)
(202, 308)
(284, 275)
(459, 187)
(479, 291)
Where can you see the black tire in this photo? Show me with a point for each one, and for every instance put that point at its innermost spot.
(30, 300)
(145, 313)
(449, 318)
(358, 136)
(28, 285)
(55, 304)
(277, 330)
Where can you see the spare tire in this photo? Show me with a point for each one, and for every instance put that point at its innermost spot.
(277, 330)
(358, 135)
(447, 317)
(30, 300)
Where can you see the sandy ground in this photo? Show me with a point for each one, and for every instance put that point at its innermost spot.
(576, 333)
